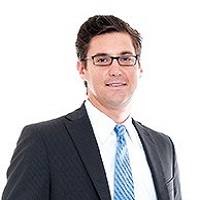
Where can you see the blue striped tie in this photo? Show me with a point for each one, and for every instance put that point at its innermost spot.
(123, 180)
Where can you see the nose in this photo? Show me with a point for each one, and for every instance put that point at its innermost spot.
(115, 69)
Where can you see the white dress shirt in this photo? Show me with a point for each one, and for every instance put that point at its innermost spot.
(106, 138)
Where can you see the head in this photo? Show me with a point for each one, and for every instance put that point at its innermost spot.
(102, 24)
(110, 36)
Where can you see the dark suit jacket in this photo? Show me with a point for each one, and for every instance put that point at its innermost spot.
(60, 160)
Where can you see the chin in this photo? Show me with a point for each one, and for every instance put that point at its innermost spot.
(118, 103)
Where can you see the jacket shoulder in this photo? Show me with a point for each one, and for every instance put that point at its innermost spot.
(157, 136)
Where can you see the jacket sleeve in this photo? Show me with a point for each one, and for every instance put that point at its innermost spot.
(28, 173)
(176, 177)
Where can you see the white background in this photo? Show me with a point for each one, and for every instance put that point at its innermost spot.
(39, 81)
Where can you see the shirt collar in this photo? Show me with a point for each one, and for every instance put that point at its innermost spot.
(102, 124)
(129, 127)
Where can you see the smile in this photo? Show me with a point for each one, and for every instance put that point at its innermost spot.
(115, 84)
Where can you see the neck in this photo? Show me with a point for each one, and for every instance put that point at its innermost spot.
(118, 114)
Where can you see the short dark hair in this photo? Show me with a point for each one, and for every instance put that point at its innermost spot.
(101, 24)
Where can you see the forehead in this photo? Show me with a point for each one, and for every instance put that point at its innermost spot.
(111, 43)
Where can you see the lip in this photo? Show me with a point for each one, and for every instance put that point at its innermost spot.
(116, 84)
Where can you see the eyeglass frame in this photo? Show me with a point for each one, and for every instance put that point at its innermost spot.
(112, 58)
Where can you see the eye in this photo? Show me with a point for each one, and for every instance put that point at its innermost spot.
(102, 59)
(126, 59)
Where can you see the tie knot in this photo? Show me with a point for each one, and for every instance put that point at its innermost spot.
(119, 130)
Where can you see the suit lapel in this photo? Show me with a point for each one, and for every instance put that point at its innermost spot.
(154, 161)
(81, 132)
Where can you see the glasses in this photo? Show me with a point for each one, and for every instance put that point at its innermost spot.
(106, 60)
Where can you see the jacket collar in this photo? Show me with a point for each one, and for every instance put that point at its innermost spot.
(81, 132)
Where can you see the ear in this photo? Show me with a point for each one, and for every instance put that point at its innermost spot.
(81, 69)
(140, 69)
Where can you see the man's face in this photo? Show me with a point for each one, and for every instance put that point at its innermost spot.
(110, 86)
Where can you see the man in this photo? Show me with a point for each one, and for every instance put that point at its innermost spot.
(73, 157)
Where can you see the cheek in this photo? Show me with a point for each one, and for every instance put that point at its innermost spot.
(97, 82)
(133, 79)
(137, 75)
(94, 78)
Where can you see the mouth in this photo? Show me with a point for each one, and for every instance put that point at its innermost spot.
(120, 84)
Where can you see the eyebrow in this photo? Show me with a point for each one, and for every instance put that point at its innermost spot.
(122, 53)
